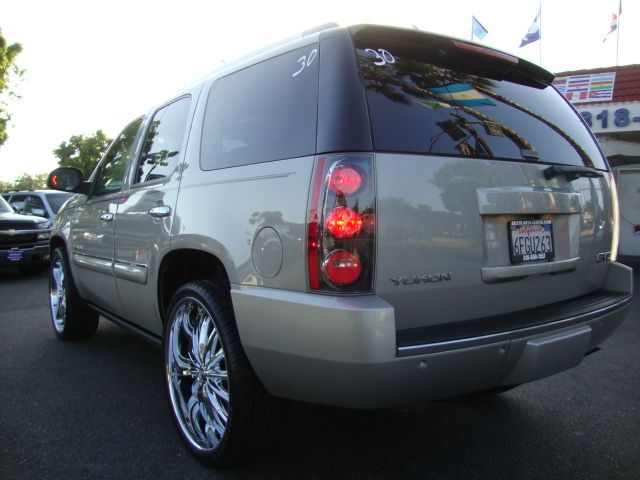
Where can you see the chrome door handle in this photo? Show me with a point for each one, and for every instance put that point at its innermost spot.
(106, 217)
(160, 212)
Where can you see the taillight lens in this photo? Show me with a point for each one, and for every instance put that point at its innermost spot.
(345, 180)
(341, 224)
(342, 267)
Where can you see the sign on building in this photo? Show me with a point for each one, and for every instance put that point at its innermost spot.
(594, 87)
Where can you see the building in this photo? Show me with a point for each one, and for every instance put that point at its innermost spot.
(609, 100)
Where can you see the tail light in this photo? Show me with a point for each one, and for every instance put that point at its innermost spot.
(615, 224)
(341, 224)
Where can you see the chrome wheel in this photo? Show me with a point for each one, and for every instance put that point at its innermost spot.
(197, 377)
(58, 294)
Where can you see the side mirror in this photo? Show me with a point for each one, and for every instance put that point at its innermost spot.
(68, 179)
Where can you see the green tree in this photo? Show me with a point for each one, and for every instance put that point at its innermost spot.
(8, 71)
(5, 186)
(83, 152)
(30, 182)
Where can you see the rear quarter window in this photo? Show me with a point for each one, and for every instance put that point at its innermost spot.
(265, 112)
(419, 103)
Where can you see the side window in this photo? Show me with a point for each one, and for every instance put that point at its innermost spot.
(163, 142)
(18, 203)
(36, 207)
(114, 164)
(262, 113)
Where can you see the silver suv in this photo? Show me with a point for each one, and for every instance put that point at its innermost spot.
(360, 217)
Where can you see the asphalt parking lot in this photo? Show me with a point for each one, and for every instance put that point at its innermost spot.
(96, 409)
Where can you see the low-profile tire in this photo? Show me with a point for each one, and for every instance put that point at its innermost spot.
(70, 317)
(220, 408)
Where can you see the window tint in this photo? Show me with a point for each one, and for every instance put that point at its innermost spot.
(163, 142)
(423, 101)
(265, 112)
(112, 169)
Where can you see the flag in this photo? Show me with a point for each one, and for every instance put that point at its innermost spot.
(534, 32)
(461, 94)
(478, 30)
(615, 19)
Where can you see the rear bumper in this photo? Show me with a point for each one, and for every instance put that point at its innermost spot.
(343, 350)
(28, 256)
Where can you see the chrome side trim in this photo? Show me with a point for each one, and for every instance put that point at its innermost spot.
(497, 274)
(134, 273)
(100, 265)
(436, 347)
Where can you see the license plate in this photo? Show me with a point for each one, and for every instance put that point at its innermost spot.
(530, 241)
(14, 255)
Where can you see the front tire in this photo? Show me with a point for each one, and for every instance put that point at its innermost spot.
(219, 406)
(71, 318)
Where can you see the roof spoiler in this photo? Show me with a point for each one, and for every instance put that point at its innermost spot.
(461, 55)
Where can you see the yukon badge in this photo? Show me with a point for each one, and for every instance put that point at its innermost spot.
(416, 279)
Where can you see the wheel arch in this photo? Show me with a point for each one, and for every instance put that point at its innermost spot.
(181, 266)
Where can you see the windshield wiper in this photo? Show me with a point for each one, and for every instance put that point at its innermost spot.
(571, 172)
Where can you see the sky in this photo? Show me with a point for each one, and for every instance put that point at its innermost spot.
(93, 64)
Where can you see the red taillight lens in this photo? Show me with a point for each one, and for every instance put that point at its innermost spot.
(343, 222)
(342, 267)
(636, 229)
(345, 180)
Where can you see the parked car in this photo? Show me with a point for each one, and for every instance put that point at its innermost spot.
(628, 183)
(360, 217)
(24, 240)
(42, 203)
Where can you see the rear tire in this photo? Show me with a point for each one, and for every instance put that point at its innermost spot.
(70, 317)
(219, 406)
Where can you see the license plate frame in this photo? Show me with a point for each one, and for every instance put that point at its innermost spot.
(530, 240)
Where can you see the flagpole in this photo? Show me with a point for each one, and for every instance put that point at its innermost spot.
(619, 26)
(540, 50)
(471, 39)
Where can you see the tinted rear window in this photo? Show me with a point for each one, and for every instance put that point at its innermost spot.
(265, 112)
(420, 101)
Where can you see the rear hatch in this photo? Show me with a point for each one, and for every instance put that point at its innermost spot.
(492, 195)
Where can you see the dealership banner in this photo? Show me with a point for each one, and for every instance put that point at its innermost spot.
(594, 87)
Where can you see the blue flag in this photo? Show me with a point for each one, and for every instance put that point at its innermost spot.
(534, 32)
(478, 30)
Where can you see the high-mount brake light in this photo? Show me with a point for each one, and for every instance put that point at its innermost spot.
(342, 267)
(345, 180)
(343, 222)
(487, 52)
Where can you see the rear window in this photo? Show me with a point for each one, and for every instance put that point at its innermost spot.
(262, 113)
(422, 100)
